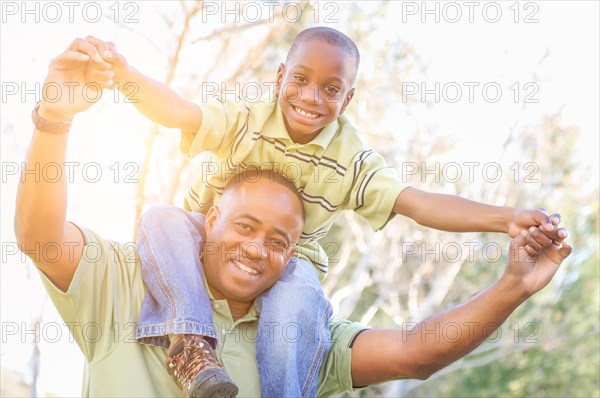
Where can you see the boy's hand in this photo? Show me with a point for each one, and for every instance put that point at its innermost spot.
(123, 71)
(524, 219)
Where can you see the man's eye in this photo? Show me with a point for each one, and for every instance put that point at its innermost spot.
(300, 79)
(242, 226)
(278, 245)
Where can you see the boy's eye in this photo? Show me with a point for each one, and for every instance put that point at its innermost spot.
(332, 90)
(300, 79)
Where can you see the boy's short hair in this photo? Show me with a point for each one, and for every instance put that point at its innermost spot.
(330, 36)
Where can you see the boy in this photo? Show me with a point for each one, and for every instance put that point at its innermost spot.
(301, 131)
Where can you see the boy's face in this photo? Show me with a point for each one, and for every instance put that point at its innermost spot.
(314, 88)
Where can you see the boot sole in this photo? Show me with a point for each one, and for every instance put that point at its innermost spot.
(215, 383)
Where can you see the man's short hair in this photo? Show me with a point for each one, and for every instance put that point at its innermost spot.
(330, 36)
(252, 175)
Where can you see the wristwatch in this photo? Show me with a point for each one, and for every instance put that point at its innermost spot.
(47, 126)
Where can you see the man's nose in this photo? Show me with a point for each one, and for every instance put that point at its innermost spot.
(255, 249)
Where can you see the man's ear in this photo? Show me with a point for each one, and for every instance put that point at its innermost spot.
(279, 79)
(291, 254)
(347, 100)
(211, 218)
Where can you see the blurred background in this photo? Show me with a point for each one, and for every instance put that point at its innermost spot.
(495, 101)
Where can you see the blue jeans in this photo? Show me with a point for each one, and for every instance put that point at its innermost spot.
(293, 328)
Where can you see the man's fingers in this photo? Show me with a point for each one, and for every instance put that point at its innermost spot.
(87, 48)
(531, 241)
(520, 239)
(111, 46)
(565, 250)
(100, 45)
(102, 75)
(562, 233)
(555, 218)
(70, 56)
(114, 58)
(559, 253)
(103, 78)
(540, 237)
(531, 251)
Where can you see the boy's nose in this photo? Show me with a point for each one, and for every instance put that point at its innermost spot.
(311, 95)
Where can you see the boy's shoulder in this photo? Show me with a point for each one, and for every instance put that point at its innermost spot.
(347, 131)
(347, 138)
(260, 108)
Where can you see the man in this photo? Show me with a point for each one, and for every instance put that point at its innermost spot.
(97, 287)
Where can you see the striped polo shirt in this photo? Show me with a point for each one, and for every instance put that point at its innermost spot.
(333, 172)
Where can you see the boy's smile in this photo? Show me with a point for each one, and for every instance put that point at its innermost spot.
(314, 87)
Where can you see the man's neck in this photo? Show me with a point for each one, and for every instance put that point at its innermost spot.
(238, 310)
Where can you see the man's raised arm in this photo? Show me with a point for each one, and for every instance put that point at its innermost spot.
(40, 221)
(382, 355)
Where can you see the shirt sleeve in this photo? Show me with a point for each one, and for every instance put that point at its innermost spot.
(335, 375)
(222, 121)
(375, 187)
(102, 303)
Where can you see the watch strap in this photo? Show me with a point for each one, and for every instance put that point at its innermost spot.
(47, 126)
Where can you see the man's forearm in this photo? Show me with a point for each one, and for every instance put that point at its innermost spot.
(452, 213)
(42, 202)
(424, 348)
(159, 103)
(466, 326)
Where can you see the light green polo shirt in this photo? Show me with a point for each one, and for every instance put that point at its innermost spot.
(101, 308)
(333, 172)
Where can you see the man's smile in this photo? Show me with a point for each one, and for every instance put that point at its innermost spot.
(245, 268)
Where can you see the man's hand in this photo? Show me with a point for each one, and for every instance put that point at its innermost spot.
(534, 259)
(74, 82)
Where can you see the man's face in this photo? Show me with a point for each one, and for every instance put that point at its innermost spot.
(314, 88)
(250, 239)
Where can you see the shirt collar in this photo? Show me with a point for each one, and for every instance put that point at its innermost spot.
(274, 127)
(223, 307)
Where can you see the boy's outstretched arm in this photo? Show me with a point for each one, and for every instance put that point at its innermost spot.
(430, 345)
(456, 214)
(155, 100)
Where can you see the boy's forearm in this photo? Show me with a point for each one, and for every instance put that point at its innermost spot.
(159, 103)
(452, 213)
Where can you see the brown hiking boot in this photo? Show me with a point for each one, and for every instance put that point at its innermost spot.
(192, 363)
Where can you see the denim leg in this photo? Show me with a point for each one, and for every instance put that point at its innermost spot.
(176, 302)
(293, 333)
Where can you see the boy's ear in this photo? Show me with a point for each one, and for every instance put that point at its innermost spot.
(280, 73)
(347, 100)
